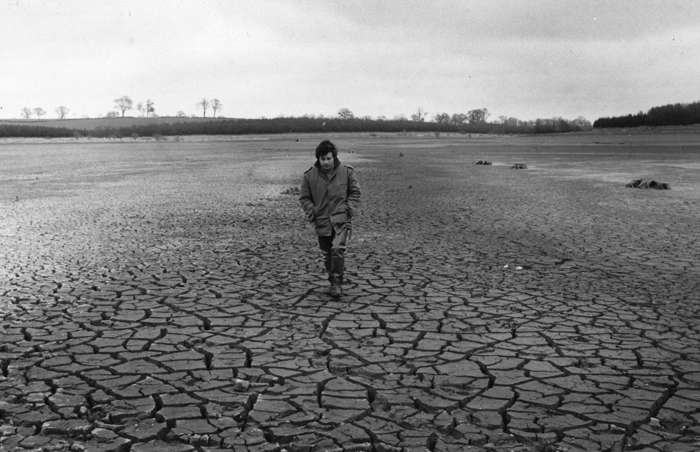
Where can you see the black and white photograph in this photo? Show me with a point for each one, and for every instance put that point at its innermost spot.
(349, 226)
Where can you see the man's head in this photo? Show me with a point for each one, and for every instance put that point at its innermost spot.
(326, 155)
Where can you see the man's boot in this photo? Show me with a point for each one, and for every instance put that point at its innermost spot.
(336, 289)
(336, 273)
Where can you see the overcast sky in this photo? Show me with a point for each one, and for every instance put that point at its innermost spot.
(526, 59)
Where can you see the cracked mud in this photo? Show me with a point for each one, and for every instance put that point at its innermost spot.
(168, 296)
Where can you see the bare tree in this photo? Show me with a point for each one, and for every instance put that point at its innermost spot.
(123, 104)
(345, 113)
(458, 118)
(26, 112)
(39, 112)
(204, 103)
(478, 115)
(140, 108)
(442, 118)
(582, 123)
(150, 107)
(419, 115)
(62, 111)
(513, 122)
(216, 105)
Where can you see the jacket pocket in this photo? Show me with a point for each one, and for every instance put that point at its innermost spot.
(339, 218)
(323, 226)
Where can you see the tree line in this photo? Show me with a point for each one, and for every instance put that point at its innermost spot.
(148, 109)
(61, 112)
(32, 131)
(473, 121)
(666, 115)
(125, 103)
(306, 124)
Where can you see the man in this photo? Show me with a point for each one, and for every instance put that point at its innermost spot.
(330, 196)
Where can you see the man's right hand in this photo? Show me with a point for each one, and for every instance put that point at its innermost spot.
(310, 216)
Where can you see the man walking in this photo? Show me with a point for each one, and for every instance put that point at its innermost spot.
(330, 196)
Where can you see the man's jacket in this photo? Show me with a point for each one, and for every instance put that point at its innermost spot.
(332, 198)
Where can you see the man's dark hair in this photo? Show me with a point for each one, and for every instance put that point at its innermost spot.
(325, 147)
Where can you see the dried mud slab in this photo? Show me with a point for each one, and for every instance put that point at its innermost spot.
(174, 300)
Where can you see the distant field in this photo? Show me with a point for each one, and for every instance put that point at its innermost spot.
(93, 123)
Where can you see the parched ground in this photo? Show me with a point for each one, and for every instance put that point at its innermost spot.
(168, 296)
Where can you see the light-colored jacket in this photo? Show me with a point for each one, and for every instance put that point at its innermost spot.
(332, 198)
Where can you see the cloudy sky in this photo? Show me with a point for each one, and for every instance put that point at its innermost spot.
(528, 59)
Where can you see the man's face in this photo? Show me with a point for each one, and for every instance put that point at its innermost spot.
(326, 161)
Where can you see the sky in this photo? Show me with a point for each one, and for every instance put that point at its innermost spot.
(265, 58)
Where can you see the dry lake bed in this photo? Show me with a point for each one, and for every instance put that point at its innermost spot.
(168, 296)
